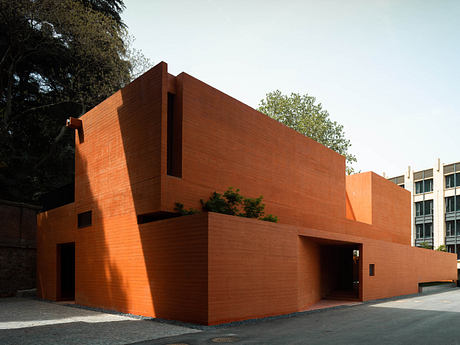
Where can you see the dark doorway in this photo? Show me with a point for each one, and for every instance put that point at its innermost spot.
(66, 271)
(340, 271)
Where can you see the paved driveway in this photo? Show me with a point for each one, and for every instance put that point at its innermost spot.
(427, 319)
(27, 321)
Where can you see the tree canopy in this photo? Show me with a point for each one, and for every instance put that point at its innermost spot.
(303, 114)
(57, 59)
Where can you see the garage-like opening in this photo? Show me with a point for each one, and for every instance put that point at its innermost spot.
(65, 271)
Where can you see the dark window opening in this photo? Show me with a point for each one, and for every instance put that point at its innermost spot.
(372, 270)
(424, 208)
(452, 203)
(424, 186)
(85, 219)
(428, 230)
(174, 138)
(66, 271)
(154, 216)
(452, 180)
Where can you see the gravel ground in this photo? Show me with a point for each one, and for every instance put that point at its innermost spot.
(27, 321)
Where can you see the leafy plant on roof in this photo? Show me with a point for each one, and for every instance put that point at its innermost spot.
(231, 202)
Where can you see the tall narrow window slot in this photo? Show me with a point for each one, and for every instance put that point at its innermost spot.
(174, 134)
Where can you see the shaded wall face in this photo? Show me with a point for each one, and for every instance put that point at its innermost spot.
(252, 269)
(53, 227)
(118, 163)
(226, 143)
(310, 271)
(373, 200)
(391, 206)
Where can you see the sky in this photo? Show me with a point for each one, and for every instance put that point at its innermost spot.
(388, 71)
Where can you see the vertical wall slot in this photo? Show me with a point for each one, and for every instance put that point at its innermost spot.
(174, 138)
(372, 270)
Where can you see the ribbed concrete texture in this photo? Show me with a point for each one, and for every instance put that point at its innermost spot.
(164, 139)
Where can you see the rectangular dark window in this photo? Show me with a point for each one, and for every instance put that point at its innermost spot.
(174, 139)
(450, 181)
(85, 219)
(428, 230)
(401, 185)
(457, 179)
(424, 186)
(450, 228)
(419, 231)
(372, 270)
(419, 187)
(428, 207)
(419, 208)
(428, 185)
(450, 204)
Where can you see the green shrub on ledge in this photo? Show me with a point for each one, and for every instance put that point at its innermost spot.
(231, 203)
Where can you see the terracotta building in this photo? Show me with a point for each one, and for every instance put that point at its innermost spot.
(165, 139)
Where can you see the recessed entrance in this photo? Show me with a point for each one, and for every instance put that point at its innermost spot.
(340, 278)
(66, 271)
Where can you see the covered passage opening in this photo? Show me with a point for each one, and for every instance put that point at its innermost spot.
(340, 274)
(328, 270)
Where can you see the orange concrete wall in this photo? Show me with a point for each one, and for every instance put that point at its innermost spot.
(55, 226)
(308, 273)
(391, 206)
(359, 197)
(117, 166)
(163, 275)
(374, 201)
(258, 269)
(215, 268)
(226, 143)
(252, 269)
(399, 269)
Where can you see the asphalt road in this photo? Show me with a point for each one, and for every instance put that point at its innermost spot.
(426, 319)
(28, 321)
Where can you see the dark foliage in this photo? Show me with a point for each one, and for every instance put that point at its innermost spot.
(231, 203)
(57, 59)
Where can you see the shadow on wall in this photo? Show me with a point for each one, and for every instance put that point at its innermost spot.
(96, 265)
(177, 286)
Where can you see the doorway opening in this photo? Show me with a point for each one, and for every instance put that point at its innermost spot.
(65, 272)
(341, 276)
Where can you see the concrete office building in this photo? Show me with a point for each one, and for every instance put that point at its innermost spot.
(435, 206)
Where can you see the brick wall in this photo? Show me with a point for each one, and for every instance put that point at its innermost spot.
(17, 247)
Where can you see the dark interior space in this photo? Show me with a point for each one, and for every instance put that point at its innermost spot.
(66, 271)
(340, 278)
(174, 138)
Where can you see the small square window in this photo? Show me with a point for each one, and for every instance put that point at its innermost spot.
(85, 219)
(372, 270)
